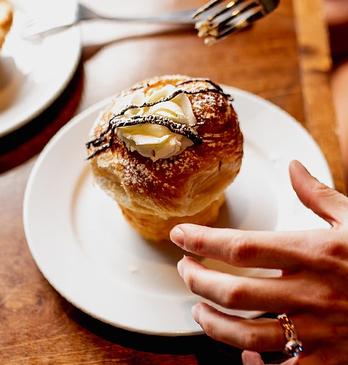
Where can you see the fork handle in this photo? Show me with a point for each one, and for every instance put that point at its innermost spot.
(173, 19)
(37, 33)
(163, 19)
(184, 17)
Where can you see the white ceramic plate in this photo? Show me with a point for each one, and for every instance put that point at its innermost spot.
(93, 258)
(34, 73)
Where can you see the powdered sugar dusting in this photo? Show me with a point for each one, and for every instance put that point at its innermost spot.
(164, 179)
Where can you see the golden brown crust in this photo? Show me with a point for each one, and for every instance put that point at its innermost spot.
(6, 15)
(184, 184)
(157, 229)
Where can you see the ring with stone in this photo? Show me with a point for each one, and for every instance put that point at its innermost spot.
(293, 345)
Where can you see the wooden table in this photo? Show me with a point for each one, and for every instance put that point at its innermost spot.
(37, 325)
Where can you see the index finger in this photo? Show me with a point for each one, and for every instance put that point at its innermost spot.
(266, 249)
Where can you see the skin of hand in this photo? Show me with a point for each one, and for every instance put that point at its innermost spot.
(312, 290)
(336, 11)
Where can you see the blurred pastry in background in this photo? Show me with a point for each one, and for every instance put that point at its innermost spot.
(6, 15)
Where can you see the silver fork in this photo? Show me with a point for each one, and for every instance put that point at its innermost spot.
(214, 20)
(219, 18)
(34, 28)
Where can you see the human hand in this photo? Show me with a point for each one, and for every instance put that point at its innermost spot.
(312, 290)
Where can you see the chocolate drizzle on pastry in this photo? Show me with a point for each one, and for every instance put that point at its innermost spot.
(174, 127)
(105, 140)
(168, 98)
(207, 81)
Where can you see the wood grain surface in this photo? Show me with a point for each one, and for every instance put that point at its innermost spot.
(315, 64)
(37, 326)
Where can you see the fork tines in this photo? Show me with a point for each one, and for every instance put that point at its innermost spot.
(206, 7)
(219, 18)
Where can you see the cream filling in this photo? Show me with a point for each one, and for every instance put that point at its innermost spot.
(152, 140)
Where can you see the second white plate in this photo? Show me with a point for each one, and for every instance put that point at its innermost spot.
(92, 257)
(33, 74)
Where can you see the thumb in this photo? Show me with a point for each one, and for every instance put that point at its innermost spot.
(322, 200)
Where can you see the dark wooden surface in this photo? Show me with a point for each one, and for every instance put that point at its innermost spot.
(37, 326)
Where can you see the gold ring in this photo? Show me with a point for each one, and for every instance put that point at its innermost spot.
(293, 345)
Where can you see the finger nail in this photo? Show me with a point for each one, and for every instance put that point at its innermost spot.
(195, 312)
(180, 268)
(247, 358)
(299, 165)
(177, 236)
